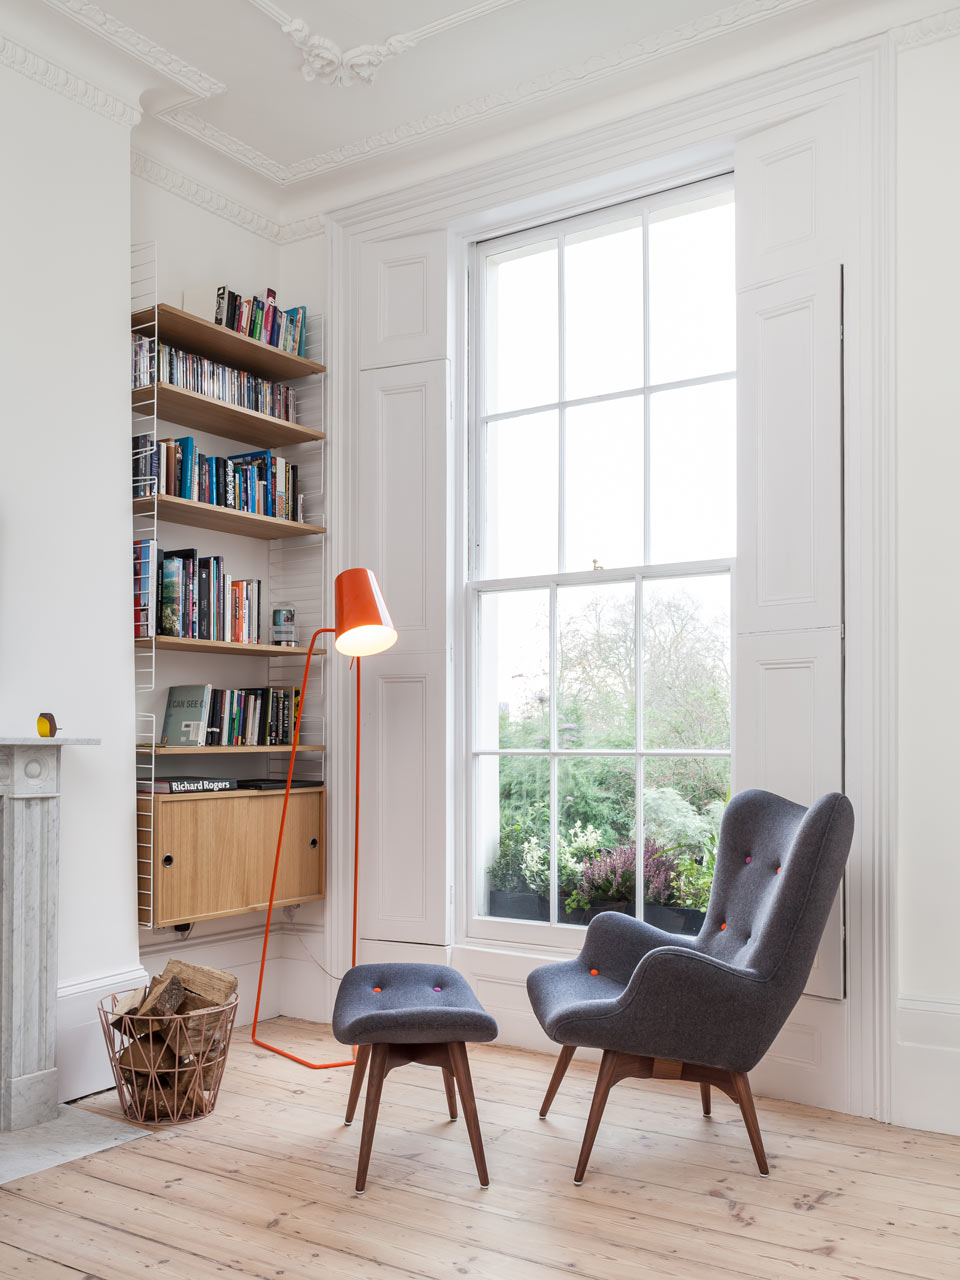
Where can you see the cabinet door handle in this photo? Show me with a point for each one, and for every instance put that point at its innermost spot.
(314, 843)
(167, 859)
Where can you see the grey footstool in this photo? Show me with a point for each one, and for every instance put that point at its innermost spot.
(399, 1013)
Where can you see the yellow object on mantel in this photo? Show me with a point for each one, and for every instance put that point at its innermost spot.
(47, 724)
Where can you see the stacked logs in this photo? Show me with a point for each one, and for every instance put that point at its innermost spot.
(169, 1041)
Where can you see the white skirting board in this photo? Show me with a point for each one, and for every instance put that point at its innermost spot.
(926, 1064)
(82, 1063)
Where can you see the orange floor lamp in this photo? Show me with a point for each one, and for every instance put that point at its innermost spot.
(363, 628)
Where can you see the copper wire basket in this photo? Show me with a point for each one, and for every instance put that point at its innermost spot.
(167, 1068)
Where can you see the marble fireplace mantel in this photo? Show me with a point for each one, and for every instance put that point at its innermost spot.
(29, 882)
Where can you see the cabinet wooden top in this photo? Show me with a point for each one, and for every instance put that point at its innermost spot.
(203, 337)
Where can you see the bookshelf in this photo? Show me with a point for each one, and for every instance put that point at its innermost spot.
(218, 418)
(222, 844)
(203, 515)
(180, 329)
(181, 644)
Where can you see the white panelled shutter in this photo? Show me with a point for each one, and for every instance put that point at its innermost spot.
(792, 235)
(401, 533)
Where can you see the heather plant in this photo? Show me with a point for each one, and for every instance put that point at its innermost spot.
(659, 872)
(609, 874)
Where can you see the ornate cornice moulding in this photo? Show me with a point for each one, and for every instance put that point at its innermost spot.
(139, 46)
(614, 62)
(67, 84)
(221, 205)
(939, 26)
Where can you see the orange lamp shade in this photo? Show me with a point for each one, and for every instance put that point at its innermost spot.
(363, 623)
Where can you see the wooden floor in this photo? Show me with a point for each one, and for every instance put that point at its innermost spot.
(264, 1187)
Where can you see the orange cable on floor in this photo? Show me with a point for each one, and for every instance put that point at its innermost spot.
(314, 1066)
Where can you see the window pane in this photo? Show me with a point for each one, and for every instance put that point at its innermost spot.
(521, 496)
(683, 802)
(692, 291)
(686, 662)
(523, 335)
(513, 701)
(513, 808)
(603, 309)
(693, 433)
(596, 666)
(596, 837)
(603, 470)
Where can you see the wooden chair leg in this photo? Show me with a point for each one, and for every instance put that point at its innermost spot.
(461, 1071)
(378, 1069)
(450, 1090)
(744, 1094)
(705, 1098)
(559, 1071)
(604, 1082)
(363, 1057)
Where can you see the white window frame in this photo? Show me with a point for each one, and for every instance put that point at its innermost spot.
(557, 934)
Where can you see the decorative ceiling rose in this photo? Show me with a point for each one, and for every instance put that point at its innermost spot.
(326, 62)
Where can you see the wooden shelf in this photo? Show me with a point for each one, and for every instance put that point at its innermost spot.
(203, 515)
(217, 418)
(204, 338)
(179, 644)
(225, 751)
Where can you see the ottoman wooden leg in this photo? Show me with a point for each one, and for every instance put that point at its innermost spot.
(363, 1057)
(378, 1069)
(461, 1072)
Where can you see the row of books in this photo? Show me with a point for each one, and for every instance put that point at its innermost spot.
(262, 319)
(186, 785)
(222, 382)
(184, 594)
(258, 481)
(198, 715)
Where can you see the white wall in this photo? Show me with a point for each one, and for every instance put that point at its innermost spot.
(65, 525)
(927, 1051)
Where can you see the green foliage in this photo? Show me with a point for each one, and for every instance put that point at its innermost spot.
(686, 704)
(572, 848)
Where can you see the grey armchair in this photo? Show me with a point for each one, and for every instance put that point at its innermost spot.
(704, 1009)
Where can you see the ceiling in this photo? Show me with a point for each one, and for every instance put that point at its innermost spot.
(295, 99)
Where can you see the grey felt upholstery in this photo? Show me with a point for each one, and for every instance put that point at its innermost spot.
(407, 1009)
(720, 998)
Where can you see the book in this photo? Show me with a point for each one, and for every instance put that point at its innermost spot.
(274, 784)
(188, 592)
(269, 311)
(145, 588)
(174, 786)
(185, 718)
(220, 314)
(171, 609)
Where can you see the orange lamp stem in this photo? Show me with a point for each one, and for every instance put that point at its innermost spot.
(348, 1062)
(363, 627)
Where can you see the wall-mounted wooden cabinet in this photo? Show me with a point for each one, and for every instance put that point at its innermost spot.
(213, 853)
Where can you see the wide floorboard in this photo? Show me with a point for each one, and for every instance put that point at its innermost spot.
(264, 1186)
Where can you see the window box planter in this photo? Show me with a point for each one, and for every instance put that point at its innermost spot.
(518, 904)
(580, 916)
